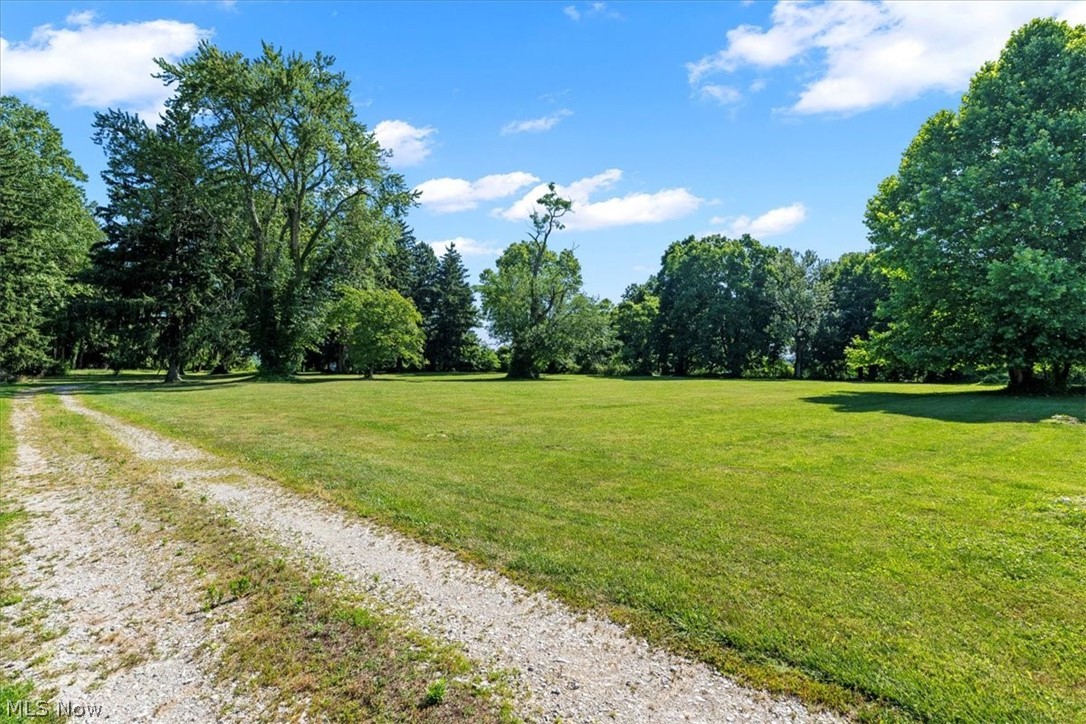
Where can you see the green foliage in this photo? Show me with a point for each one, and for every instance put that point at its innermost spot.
(449, 327)
(532, 300)
(380, 328)
(984, 225)
(716, 305)
(635, 321)
(164, 270)
(411, 268)
(854, 286)
(799, 299)
(317, 192)
(477, 357)
(435, 692)
(45, 233)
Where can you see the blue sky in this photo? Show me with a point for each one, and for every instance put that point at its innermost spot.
(659, 120)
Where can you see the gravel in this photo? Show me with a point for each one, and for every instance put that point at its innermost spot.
(570, 666)
(117, 608)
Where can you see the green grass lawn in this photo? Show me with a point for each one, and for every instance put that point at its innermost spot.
(902, 550)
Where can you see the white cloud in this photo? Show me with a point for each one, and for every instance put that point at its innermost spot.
(876, 52)
(409, 145)
(445, 195)
(86, 17)
(99, 64)
(772, 223)
(466, 246)
(636, 208)
(536, 125)
(594, 9)
(722, 94)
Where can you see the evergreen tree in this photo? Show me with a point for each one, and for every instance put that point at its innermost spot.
(411, 268)
(448, 329)
(167, 223)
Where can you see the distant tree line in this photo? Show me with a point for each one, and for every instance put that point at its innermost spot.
(258, 221)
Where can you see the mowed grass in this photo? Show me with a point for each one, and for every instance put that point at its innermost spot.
(893, 550)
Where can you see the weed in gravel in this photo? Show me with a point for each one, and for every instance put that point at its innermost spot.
(435, 693)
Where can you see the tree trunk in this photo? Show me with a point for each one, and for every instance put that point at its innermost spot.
(173, 372)
(1022, 379)
(521, 365)
(1061, 374)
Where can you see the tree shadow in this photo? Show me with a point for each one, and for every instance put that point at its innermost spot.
(976, 407)
(127, 382)
(107, 384)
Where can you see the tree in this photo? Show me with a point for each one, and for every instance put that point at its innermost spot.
(855, 285)
(589, 342)
(380, 327)
(317, 193)
(168, 225)
(45, 233)
(449, 327)
(799, 301)
(530, 299)
(411, 267)
(715, 306)
(983, 228)
(635, 320)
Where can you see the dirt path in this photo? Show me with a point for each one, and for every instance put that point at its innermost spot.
(573, 667)
(105, 624)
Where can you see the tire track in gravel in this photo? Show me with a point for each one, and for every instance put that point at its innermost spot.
(573, 666)
(103, 622)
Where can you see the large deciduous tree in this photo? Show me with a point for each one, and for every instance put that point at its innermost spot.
(380, 328)
(983, 227)
(855, 284)
(715, 306)
(799, 301)
(530, 299)
(316, 191)
(46, 231)
(635, 321)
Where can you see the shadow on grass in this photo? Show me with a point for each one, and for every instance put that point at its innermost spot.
(985, 406)
(127, 382)
(149, 382)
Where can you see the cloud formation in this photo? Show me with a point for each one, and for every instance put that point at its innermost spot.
(536, 125)
(592, 9)
(466, 247)
(636, 208)
(446, 195)
(876, 53)
(409, 145)
(99, 65)
(772, 223)
(725, 95)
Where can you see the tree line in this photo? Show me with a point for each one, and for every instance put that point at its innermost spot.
(259, 220)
